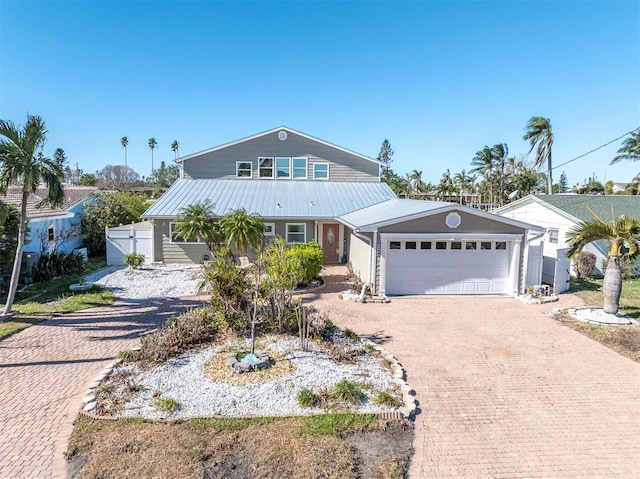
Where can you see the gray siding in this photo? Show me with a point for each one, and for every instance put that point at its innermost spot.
(436, 224)
(177, 252)
(222, 163)
(360, 257)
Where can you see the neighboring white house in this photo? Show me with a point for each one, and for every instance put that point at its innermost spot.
(558, 214)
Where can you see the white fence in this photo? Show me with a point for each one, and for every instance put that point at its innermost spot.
(134, 238)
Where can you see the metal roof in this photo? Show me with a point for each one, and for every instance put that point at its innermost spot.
(303, 199)
(274, 130)
(400, 210)
(576, 205)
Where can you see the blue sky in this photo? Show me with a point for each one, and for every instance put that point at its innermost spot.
(439, 79)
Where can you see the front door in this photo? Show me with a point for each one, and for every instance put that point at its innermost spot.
(330, 242)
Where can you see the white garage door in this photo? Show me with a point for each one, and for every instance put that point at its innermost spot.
(447, 267)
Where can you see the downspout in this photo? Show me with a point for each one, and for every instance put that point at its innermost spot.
(315, 231)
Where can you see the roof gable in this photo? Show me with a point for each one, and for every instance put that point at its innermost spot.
(72, 196)
(275, 130)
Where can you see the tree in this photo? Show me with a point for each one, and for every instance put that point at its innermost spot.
(165, 176)
(483, 164)
(623, 235)
(386, 152)
(107, 209)
(500, 153)
(630, 150)
(397, 184)
(417, 184)
(174, 147)
(198, 222)
(563, 184)
(152, 145)
(446, 187)
(464, 182)
(115, 177)
(21, 164)
(124, 141)
(9, 228)
(538, 133)
(60, 158)
(242, 230)
(87, 179)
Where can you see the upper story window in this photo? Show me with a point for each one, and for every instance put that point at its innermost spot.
(321, 171)
(553, 236)
(265, 167)
(283, 167)
(243, 169)
(299, 168)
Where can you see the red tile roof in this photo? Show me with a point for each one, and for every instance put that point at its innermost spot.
(72, 195)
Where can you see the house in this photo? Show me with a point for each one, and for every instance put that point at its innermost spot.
(558, 214)
(308, 189)
(52, 228)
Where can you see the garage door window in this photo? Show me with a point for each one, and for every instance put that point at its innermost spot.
(501, 245)
(456, 245)
(485, 245)
(394, 244)
(470, 245)
(425, 244)
(410, 245)
(441, 245)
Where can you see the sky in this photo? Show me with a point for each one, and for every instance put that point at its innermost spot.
(438, 79)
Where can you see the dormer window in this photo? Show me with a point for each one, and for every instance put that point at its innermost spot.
(321, 171)
(243, 169)
(283, 168)
(265, 168)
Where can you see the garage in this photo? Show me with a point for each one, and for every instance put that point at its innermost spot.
(424, 266)
(432, 248)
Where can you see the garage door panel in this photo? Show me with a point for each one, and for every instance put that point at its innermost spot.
(473, 271)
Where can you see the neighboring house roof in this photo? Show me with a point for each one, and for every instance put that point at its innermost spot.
(272, 199)
(400, 210)
(72, 196)
(274, 130)
(574, 207)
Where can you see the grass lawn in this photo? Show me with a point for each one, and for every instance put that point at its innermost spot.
(329, 446)
(46, 299)
(624, 340)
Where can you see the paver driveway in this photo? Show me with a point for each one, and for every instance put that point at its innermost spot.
(503, 389)
(45, 371)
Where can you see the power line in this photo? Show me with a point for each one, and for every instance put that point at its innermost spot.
(595, 149)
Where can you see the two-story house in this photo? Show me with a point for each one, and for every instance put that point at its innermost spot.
(308, 189)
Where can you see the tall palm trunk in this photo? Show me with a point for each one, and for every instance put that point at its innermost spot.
(17, 262)
(612, 286)
(550, 176)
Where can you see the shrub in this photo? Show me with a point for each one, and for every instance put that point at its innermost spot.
(179, 334)
(583, 264)
(348, 334)
(350, 392)
(310, 257)
(385, 399)
(307, 398)
(166, 404)
(134, 260)
(56, 264)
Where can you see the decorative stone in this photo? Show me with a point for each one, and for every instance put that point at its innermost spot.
(91, 397)
(397, 374)
(240, 367)
(94, 384)
(406, 389)
(90, 406)
(79, 287)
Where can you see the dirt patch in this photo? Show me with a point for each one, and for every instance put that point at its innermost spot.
(625, 340)
(240, 448)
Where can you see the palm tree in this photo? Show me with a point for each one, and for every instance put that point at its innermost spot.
(198, 222)
(242, 230)
(483, 163)
(500, 154)
(463, 182)
(417, 184)
(21, 165)
(630, 150)
(124, 141)
(623, 234)
(538, 132)
(174, 148)
(152, 145)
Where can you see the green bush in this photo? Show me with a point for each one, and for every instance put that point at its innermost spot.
(134, 260)
(348, 391)
(310, 257)
(56, 264)
(166, 404)
(307, 398)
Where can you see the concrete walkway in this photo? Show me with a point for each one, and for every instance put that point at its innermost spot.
(504, 391)
(46, 369)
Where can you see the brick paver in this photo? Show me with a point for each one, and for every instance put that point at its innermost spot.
(504, 391)
(45, 371)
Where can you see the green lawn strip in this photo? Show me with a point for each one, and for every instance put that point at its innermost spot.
(590, 291)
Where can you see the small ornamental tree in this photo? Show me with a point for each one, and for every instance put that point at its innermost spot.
(198, 222)
(583, 264)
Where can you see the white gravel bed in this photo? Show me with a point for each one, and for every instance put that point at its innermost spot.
(598, 316)
(164, 281)
(183, 380)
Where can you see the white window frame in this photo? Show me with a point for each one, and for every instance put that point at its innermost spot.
(554, 235)
(238, 170)
(315, 176)
(293, 168)
(304, 232)
(271, 231)
(260, 167)
(288, 159)
(172, 241)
